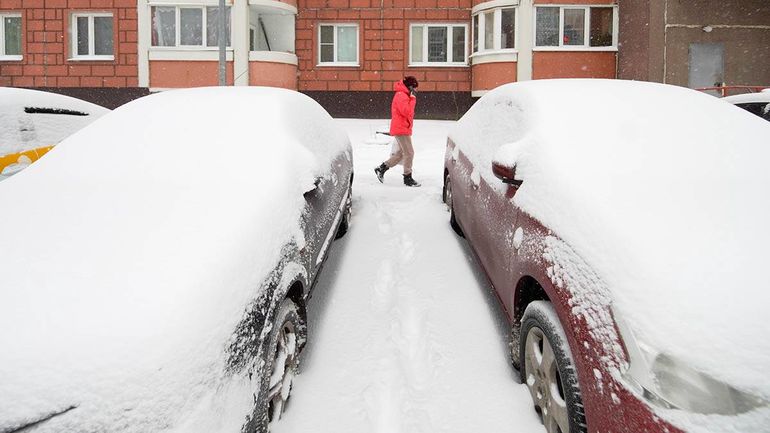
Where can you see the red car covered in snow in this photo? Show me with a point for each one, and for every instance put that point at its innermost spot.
(611, 234)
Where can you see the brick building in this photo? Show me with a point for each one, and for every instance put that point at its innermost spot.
(344, 53)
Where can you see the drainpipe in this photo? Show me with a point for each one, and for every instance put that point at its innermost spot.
(222, 44)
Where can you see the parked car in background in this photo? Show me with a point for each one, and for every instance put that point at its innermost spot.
(31, 122)
(625, 247)
(158, 280)
(755, 103)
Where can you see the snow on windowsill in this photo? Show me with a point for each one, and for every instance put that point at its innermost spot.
(11, 58)
(91, 59)
(576, 48)
(438, 65)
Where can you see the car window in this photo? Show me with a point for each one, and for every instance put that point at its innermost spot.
(761, 109)
(48, 110)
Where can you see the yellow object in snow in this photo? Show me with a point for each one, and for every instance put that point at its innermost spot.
(25, 157)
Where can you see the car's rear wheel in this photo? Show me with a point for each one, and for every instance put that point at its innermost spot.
(345, 222)
(448, 199)
(282, 363)
(548, 370)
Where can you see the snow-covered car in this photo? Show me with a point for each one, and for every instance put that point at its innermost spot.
(32, 121)
(626, 247)
(755, 103)
(157, 263)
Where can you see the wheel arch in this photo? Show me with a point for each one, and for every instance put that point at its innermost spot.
(528, 290)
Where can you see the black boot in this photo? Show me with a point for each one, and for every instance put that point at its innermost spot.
(380, 171)
(408, 181)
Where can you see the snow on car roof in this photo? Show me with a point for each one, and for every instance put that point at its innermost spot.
(30, 118)
(745, 98)
(131, 250)
(662, 190)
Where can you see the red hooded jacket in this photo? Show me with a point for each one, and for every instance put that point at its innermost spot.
(402, 110)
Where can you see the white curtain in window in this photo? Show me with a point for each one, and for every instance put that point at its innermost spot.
(191, 26)
(417, 40)
(163, 26)
(347, 44)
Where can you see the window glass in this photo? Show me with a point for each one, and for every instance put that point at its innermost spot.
(508, 28)
(12, 27)
(437, 44)
(191, 26)
(417, 39)
(475, 33)
(489, 30)
(347, 44)
(458, 44)
(163, 26)
(574, 26)
(103, 36)
(547, 27)
(212, 26)
(601, 27)
(82, 36)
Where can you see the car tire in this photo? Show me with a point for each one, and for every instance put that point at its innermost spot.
(281, 364)
(548, 370)
(450, 205)
(345, 221)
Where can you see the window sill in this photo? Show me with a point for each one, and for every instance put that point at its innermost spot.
(92, 59)
(338, 65)
(577, 48)
(11, 58)
(274, 57)
(438, 65)
(498, 56)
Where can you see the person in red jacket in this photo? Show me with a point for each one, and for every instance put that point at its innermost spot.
(401, 121)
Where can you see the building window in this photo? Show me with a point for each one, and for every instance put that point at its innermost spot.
(494, 30)
(338, 44)
(92, 36)
(572, 27)
(10, 37)
(188, 27)
(438, 45)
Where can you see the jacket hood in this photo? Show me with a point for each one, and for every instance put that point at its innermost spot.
(399, 86)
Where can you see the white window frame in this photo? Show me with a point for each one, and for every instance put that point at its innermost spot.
(497, 32)
(178, 28)
(450, 46)
(10, 57)
(91, 40)
(356, 63)
(587, 26)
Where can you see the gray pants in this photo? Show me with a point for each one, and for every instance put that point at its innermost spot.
(404, 154)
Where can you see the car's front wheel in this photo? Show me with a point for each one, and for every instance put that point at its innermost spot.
(548, 370)
(282, 363)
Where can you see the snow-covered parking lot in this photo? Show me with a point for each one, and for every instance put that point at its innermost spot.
(405, 334)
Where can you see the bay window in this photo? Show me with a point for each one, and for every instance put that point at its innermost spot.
(188, 26)
(494, 30)
(571, 27)
(438, 45)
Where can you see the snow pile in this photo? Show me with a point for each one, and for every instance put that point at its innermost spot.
(131, 251)
(20, 131)
(662, 191)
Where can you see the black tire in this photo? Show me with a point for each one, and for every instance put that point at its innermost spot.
(450, 205)
(552, 381)
(286, 317)
(345, 222)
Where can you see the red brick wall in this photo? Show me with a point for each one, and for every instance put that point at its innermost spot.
(45, 47)
(383, 44)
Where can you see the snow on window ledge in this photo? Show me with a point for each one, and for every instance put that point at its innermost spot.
(437, 65)
(91, 59)
(11, 58)
(576, 48)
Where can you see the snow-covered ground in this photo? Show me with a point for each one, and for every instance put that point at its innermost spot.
(404, 334)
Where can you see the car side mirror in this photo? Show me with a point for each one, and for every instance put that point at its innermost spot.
(506, 173)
